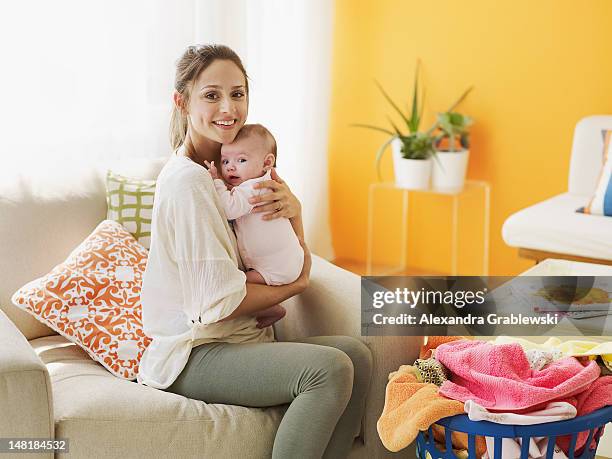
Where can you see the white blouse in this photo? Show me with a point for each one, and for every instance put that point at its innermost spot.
(193, 276)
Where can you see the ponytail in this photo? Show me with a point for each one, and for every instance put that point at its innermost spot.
(178, 128)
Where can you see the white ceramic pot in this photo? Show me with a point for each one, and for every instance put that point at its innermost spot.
(411, 174)
(449, 169)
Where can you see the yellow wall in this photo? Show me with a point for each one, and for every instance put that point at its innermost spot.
(537, 68)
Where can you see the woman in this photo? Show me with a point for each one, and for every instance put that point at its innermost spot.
(197, 305)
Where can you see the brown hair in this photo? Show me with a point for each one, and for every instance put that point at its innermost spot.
(194, 61)
(259, 130)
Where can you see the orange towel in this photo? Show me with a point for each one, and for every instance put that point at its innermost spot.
(432, 342)
(411, 406)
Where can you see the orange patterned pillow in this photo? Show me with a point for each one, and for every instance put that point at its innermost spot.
(93, 298)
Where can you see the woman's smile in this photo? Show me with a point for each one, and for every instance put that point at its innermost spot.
(225, 124)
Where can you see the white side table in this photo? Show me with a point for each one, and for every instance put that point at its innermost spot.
(481, 188)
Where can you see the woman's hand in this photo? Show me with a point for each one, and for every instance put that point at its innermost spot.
(280, 202)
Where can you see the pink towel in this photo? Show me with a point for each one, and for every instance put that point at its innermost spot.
(498, 376)
(596, 396)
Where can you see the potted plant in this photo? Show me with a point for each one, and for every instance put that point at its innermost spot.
(412, 150)
(412, 160)
(452, 144)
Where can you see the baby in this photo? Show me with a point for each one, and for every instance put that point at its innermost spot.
(270, 249)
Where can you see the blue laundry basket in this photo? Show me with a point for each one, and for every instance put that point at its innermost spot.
(593, 422)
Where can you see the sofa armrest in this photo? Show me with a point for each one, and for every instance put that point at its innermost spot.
(329, 306)
(332, 306)
(26, 400)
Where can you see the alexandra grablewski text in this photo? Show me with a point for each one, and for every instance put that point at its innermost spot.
(486, 306)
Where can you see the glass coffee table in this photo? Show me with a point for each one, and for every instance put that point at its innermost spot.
(557, 267)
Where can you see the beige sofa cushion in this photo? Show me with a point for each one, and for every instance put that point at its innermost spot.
(104, 416)
(46, 212)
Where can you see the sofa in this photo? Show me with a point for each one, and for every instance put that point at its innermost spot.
(552, 228)
(50, 388)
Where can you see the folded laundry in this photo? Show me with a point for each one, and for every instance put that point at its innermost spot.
(571, 348)
(499, 377)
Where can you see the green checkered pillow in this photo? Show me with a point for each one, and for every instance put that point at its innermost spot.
(130, 202)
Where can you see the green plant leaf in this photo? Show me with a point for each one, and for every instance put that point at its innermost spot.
(432, 128)
(397, 109)
(415, 116)
(417, 146)
(454, 126)
(375, 128)
(422, 106)
(458, 101)
(456, 119)
(379, 156)
(395, 128)
(434, 155)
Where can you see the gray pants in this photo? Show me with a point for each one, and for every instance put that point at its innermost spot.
(324, 379)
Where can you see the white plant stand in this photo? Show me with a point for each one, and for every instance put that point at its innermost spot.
(471, 187)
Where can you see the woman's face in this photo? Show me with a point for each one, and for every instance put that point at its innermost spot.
(218, 104)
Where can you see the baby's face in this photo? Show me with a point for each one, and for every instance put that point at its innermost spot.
(243, 159)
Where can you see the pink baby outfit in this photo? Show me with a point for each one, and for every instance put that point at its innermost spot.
(270, 247)
(498, 376)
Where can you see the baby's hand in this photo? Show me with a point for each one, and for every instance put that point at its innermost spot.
(212, 169)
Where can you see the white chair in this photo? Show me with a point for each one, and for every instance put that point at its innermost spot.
(552, 228)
